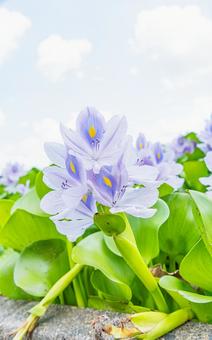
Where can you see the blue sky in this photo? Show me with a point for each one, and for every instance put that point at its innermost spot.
(148, 60)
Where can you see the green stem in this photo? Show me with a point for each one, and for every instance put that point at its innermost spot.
(61, 298)
(40, 309)
(76, 285)
(172, 264)
(132, 256)
(171, 322)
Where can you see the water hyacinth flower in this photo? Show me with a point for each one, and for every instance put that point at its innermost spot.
(111, 188)
(68, 186)
(181, 145)
(90, 168)
(21, 188)
(75, 222)
(11, 174)
(158, 158)
(207, 181)
(10, 177)
(205, 136)
(95, 141)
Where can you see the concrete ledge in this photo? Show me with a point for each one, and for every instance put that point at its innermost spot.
(65, 323)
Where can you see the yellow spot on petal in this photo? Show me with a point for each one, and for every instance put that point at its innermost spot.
(158, 155)
(140, 145)
(84, 198)
(107, 181)
(72, 167)
(92, 131)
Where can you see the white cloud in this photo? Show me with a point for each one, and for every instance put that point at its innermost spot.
(134, 71)
(58, 56)
(202, 107)
(181, 35)
(13, 26)
(2, 118)
(29, 150)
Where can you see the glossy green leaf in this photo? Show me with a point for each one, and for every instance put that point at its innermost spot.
(109, 289)
(203, 214)
(180, 232)
(110, 224)
(173, 285)
(146, 321)
(40, 265)
(30, 202)
(193, 171)
(185, 296)
(23, 229)
(146, 231)
(8, 287)
(92, 251)
(30, 176)
(165, 190)
(156, 324)
(5, 209)
(196, 267)
(40, 187)
(127, 233)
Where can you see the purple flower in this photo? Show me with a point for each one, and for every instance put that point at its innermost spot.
(68, 184)
(11, 174)
(157, 162)
(21, 188)
(181, 146)
(96, 142)
(206, 136)
(111, 188)
(207, 181)
(74, 223)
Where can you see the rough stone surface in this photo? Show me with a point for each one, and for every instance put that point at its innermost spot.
(65, 322)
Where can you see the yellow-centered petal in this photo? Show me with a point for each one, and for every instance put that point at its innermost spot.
(92, 131)
(107, 181)
(72, 167)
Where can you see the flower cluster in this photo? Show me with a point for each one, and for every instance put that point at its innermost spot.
(181, 146)
(158, 157)
(98, 164)
(10, 177)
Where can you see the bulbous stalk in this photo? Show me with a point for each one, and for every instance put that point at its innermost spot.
(132, 256)
(171, 322)
(40, 309)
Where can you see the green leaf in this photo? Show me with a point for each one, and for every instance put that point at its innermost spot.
(23, 228)
(146, 231)
(196, 267)
(147, 321)
(7, 285)
(203, 214)
(185, 296)
(92, 251)
(30, 176)
(127, 233)
(110, 224)
(5, 209)
(180, 232)
(165, 190)
(30, 202)
(109, 289)
(193, 171)
(173, 286)
(40, 186)
(40, 265)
